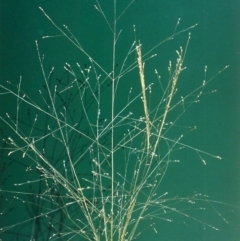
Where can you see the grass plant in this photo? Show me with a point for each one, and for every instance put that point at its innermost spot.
(97, 150)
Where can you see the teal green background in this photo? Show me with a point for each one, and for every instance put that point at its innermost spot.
(215, 42)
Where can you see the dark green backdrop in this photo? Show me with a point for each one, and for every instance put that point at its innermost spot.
(215, 42)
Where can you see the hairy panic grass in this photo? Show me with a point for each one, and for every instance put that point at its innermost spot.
(95, 150)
